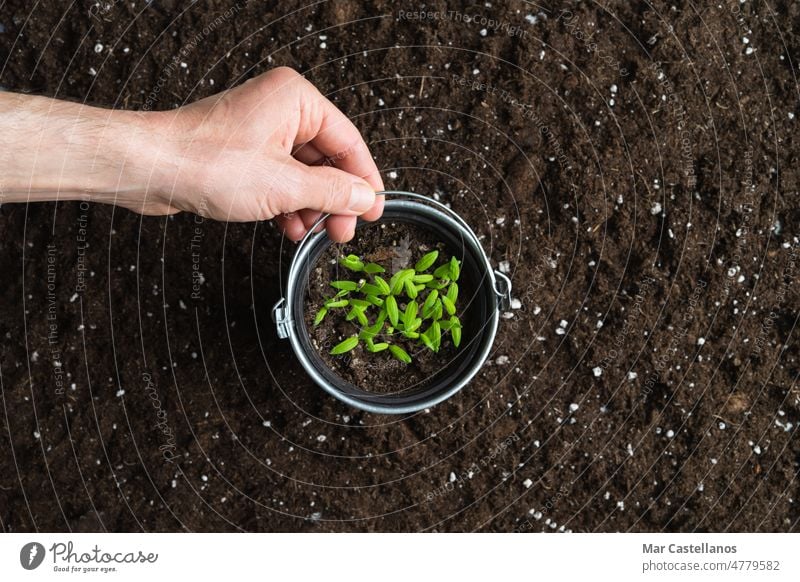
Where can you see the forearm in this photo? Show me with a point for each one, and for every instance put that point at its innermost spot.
(57, 150)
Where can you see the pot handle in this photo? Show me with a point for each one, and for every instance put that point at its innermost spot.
(392, 194)
(502, 287)
(281, 319)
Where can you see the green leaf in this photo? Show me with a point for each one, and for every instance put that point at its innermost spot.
(390, 304)
(437, 310)
(414, 325)
(341, 294)
(376, 301)
(410, 314)
(320, 316)
(375, 348)
(345, 285)
(331, 304)
(438, 285)
(345, 346)
(373, 268)
(426, 261)
(445, 325)
(400, 354)
(370, 289)
(442, 272)
(369, 333)
(455, 269)
(357, 313)
(427, 341)
(436, 335)
(411, 289)
(455, 330)
(352, 262)
(359, 303)
(448, 305)
(452, 292)
(380, 282)
(430, 302)
(411, 334)
(399, 280)
(422, 278)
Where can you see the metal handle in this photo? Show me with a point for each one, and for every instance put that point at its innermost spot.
(502, 289)
(387, 194)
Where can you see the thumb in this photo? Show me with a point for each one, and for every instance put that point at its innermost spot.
(324, 189)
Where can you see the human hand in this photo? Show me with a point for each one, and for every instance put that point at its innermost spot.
(273, 147)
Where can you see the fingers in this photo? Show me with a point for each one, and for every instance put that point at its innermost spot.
(292, 226)
(341, 228)
(310, 217)
(332, 170)
(335, 137)
(323, 189)
(308, 153)
(295, 226)
(376, 211)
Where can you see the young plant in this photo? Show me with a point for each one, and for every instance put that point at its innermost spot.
(415, 307)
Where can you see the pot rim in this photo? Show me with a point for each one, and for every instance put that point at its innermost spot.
(498, 300)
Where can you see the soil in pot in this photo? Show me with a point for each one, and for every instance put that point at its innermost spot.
(394, 246)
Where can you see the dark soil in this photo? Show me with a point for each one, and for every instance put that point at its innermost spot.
(393, 246)
(633, 167)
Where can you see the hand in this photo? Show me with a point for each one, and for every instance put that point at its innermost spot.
(273, 147)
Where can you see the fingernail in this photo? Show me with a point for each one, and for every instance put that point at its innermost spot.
(362, 197)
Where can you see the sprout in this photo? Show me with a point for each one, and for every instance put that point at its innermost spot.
(399, 279)
(391, 309)
(449, 305)
(320, 316)
(425, 262)
(345, 346)
(379, 347)
(400, 354)
(410, 298)
(352, 262)
(411, 289)
(345, 285)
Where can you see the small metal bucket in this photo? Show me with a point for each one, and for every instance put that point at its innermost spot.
(491, 294)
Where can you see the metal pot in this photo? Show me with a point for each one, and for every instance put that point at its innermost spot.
(491, 294)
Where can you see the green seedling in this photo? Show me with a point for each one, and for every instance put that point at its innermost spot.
(345, 346)
(426, 262)
(345, 285)
(391, 315)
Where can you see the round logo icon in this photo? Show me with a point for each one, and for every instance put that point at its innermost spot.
(31, 555)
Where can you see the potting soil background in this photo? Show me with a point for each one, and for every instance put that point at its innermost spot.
(633, 168)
